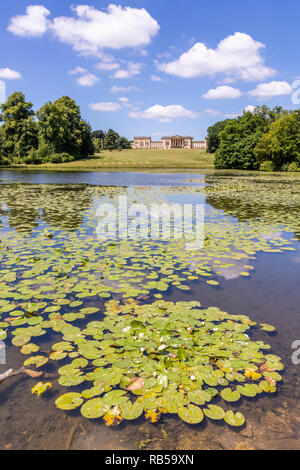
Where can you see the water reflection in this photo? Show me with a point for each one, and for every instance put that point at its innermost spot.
(271, 294)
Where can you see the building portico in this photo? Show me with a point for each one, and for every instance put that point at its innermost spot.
(171, 142)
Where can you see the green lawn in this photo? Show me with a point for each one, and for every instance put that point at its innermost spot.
(139, 159)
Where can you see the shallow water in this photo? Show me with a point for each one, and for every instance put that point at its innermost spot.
(270, 294)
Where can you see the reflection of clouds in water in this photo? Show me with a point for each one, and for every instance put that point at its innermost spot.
(232, 272)
(4, 207)
(296, 259)
(271, 235)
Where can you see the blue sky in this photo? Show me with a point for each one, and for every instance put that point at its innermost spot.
(152, 67)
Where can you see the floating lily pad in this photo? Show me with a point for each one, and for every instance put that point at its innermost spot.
(234, 419)
(191, 414)
(38, 361)
(131, 411)
(214, 412)
(228, 395)
(94, 408)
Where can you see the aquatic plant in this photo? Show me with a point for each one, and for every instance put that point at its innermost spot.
(149, 359)
(166, 358)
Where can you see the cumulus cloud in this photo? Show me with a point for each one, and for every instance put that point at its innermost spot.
(87, 79)
(33, 23)
(268, 90)
(107, 66)
(236, 56)
(2, 91)
(156, 78)
(164, 113)
(8, 74)
(250, 108)
(108, 107)
(123, 89)
(212, 112)
(132, 70)
(222, 93)
(90, 30)
(77, 71)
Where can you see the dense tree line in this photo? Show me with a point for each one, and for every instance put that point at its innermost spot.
(266, 139)
(56, 133)
(110, 140)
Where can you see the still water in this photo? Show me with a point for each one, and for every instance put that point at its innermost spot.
(61, 203)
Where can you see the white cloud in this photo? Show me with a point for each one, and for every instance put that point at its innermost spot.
(33, 23)
(122, 89)
(88, 79)
(108, 66)
(8, 74)
(232, 115)
(222, 93)
(236, 56)
(156, 78)
(77, 71)
(2, 92)
(249, 109)
(212, 112)
(268, 90)
(105, 107)
(90, 30)
(125, 102)
(228, 80)
(132, 70)
(164, 113)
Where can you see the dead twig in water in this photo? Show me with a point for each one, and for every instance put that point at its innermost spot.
(31, 373)
(71, 436)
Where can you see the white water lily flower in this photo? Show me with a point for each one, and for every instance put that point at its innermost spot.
(142, 349)
(192, 377)
(115, 411)
(161, 347)
(127, 328)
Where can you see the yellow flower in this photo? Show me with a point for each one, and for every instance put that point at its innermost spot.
(252, 374)
(40, 388)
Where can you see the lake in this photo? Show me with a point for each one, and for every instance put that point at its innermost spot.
(108, 304)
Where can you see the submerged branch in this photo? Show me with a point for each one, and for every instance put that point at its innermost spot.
(31, 373)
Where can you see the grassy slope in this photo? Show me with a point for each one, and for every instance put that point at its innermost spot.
(141, 159)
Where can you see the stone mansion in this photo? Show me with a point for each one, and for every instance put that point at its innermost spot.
(175, 142)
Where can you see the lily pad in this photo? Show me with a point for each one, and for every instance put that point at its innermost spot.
(191, 414)
(234, 419)
(94, 408)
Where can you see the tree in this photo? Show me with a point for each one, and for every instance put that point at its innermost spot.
(240, 136)
(98, 134)
(87, 146)
(62, 129)
(98, 138)
(122, 143)
(213, 139)
(110, 140)
(281, 144)
(18, 133)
